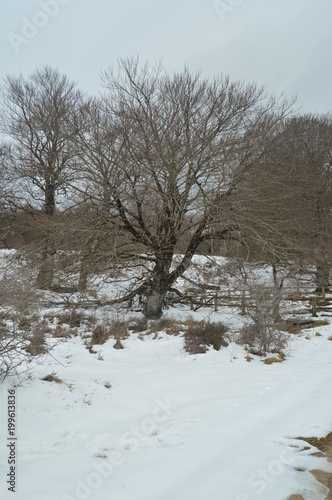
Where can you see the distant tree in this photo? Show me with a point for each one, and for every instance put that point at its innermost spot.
(34, 113)
(273, 220)
(310, 163)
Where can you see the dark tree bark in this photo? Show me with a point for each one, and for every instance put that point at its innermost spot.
(87, 255)
(322, 278)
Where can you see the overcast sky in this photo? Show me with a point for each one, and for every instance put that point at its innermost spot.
(283, 44)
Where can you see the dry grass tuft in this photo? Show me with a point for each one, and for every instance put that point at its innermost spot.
(99, 335)
(53, 378)
(170, 326)
(273, 359)
(201, 335)
(138, 325)
(71, 318)
(118, 345)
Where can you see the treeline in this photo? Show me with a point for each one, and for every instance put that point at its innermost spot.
(160, 164)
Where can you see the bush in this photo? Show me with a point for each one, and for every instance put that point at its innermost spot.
(22, 333)
(262, 338)
(16, 292)
(204, 334)
(37, 342)
(72, 318)
(264, 333)
(138, 325)
(99, 335)
(12, 352)
(18, 345)
(170, 326)
(102, 333)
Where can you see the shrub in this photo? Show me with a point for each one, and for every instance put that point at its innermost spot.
(204, 334)
(60, 332)
(99, 335)
(262, 338)
(118, 330)
(171, 326)
(72, 318)
(12, 352)
(37, 341)
(102, 333)
(138, 325)
(264, 333)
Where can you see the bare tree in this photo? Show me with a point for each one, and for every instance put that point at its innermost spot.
(309, 156)
(174, 149)
(34, 112)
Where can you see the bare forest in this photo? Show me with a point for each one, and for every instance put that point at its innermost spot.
(159, 165)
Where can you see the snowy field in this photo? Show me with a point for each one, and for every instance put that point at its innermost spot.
(152, 422)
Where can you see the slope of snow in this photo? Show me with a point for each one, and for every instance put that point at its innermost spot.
(171, 426)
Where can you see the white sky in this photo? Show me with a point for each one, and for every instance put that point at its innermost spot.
(285, 44)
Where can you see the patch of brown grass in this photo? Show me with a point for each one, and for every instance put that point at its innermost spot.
(138, 325)
(296, 297)
(53, 378)
(325, 446)
(118, 345)
(59, 332)
(292, 328)
(201, 335)
(99, 335)
(170, 326)
(316, 324)
(71, 318)
(270, 361)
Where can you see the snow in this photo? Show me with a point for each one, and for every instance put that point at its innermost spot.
(151, 422)
(172, 425)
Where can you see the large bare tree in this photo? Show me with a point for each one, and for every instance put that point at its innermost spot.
(167, 162)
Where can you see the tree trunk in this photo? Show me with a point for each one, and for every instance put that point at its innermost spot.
(276, 308)
(49, 204)
(46, 272)
(87, 253)
(84, 274)
(322, 277)
(153, 307)
(276, 295)
(158, 285)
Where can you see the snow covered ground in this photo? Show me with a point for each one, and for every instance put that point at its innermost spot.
(169, 425)
(152, 422)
